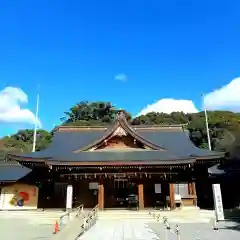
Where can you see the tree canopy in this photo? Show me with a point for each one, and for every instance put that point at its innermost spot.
(223, 126)
(91, 113)
(22, 141)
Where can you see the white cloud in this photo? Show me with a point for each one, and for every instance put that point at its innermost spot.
(11, 99)
(225, 98)
(169, 105)
(121, 77)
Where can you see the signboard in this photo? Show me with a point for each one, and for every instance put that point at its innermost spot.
(158, 188)
(69, 197)
(218, 202)
(18, 197)
(93, 186)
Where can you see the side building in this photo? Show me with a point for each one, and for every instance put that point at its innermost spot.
(158, 164)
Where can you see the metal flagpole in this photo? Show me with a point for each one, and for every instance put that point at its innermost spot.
(207, 128)
(35, 125)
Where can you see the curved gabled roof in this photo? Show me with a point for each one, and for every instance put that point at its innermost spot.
(70, 139)
(123, 123)
(176, 139)
(65, 142)
(72, 143)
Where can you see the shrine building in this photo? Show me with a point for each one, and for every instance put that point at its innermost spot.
(103, 165)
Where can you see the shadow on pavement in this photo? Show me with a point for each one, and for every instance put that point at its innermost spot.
(232, 219)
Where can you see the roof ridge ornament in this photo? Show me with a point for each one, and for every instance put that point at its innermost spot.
(123, 122)
(121, 115)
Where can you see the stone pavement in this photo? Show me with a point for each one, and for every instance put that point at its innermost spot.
(28, 225)
(197, 231)
(117, 225)
(125, 229)
(135, 229)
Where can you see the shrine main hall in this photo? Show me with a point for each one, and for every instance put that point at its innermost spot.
(104, 165)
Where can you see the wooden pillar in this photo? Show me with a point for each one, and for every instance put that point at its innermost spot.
(172, 195)
(141, 196)
(190, 188)
(101, 196)
(194, 193)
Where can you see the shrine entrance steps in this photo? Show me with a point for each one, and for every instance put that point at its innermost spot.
(34, 217)
(124, 214)
(127, 224)
(30, 224)
(183, 216)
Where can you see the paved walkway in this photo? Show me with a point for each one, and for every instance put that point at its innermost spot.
(201, 231)
(142, 226)
(142, 230)
(125, 229)
(124, 225)
(28, 225)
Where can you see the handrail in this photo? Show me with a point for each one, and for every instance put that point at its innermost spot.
(79, 210)
(64, 215)
(90, 220)
(91, 214)
(61, 220)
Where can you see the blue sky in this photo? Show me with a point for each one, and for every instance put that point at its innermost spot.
(74, 50)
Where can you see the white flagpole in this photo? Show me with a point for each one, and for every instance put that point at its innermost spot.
(207, 128)
(35, 125)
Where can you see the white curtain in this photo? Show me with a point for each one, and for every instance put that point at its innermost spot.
(182, 189)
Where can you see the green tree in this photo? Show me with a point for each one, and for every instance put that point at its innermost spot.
(223, 126)
(91, 113)
(22, 141)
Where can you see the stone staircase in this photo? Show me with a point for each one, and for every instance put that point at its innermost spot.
(187, 216)
(37, 217)
(50, 216)
(124, 214)
(176, 216)
(38, 224)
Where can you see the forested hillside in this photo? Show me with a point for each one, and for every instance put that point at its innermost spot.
(223, 125)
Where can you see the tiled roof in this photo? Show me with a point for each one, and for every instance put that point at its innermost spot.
(176, 140)
(123, 156)
(12, 172)
(173, 139)
(67, 142)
